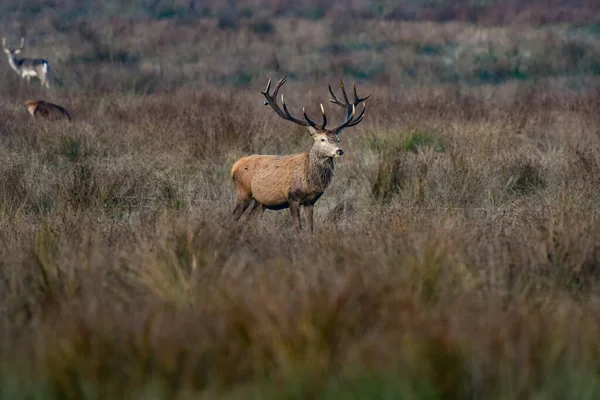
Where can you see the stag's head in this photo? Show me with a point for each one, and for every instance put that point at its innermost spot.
(326, 140)
(12, 51)
(327, 143)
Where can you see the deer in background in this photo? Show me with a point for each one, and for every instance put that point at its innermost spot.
(292, 181)
(27, 67)
(44, 109)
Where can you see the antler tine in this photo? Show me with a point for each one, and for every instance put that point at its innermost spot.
(335, 99)
(360, 118)
(278, 85)
(357, 99)
(285, 109)
(271, 97)
(347, 121)
(324, 117)
(22, 42)
(266, 91)
(289, 116)
(310, 121)
(344, 91)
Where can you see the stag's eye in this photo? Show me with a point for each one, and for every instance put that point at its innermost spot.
(323, 139)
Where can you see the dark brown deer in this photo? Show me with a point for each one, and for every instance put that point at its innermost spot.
(40, 108)
(279, 182)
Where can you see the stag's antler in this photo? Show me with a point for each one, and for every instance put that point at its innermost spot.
(22, 43)
(271, 99)
(350, 107)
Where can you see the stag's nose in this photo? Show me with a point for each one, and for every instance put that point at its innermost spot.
(339, 152)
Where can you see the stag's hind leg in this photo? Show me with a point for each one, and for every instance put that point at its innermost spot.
(295, 211)
(309, 214)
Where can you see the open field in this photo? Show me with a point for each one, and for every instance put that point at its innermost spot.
(456, 253)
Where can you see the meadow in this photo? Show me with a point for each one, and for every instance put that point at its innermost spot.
(456, 253)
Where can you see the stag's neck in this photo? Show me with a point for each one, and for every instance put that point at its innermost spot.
(319, 171)
(14, 62)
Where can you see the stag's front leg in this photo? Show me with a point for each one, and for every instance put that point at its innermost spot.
(309, 211)
(256, 211)
(295, 211)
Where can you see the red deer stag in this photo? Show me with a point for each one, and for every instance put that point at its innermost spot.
(40, 108)
(27, 67)
(279, 182)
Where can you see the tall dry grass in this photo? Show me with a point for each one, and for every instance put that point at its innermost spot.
(455, 254)
(456, 251)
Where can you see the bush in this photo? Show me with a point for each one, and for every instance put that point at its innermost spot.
(524, 177)
(263, 27)
(227, 22)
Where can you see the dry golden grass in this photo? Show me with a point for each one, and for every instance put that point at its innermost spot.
(456, 252)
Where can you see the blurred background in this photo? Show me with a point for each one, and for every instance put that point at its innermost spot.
(148, 46)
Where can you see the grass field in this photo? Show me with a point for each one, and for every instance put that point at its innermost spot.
(456, 253)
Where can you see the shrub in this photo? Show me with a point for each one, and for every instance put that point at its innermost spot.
(263, 27)
(227, 22)
(524, 177)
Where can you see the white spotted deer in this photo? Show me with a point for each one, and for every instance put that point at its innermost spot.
(27, 67)
(291, 181)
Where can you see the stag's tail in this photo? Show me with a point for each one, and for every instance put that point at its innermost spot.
(235, 168)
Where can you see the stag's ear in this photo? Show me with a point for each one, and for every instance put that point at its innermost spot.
(7, 51)
(17, 51)
(313, 132)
